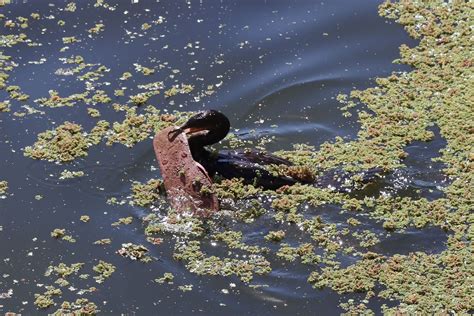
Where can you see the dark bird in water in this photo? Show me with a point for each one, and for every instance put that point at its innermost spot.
(211, 126)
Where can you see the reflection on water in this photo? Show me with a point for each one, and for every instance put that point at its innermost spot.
(276, 67)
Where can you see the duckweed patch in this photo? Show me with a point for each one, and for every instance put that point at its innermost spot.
(68, 141)
(135, 252)
(5, 106)
(123, 221)
(104, 241)
(66, 275)
(104, 271)
(81, 306)
(166, 278)
(68, 174)
(197, 262)
(60, 233)
(146, 194)
(65, 143)
(3, 187)
(275, 235)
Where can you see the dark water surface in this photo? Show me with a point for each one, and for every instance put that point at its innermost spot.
(276, 62)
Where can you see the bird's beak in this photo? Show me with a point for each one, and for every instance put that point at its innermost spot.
(192, 130)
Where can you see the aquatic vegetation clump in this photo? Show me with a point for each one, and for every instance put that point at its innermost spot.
(233, 240)
(234, 189)
(5, 106)
(404, 107)
(197, 262)
(60, 233)
(104, 241)
(135, 252)
(98, 28)
(68, 141)
(81, 306)
(16, 94)
(65, 143)
(146, 194)
(64, 274)
(144, 70)
(63, 270)
(167, 277)
(45, 300)
(68, 174)
(104, 271)
(174, 90)
(70, 7)
(138, 127)
(55, 100)
(276, 236)
(123, 221)
(3, 187)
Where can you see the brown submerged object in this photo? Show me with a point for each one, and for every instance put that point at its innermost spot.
(185, 179)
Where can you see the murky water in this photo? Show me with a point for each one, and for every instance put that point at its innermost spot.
(275, 63)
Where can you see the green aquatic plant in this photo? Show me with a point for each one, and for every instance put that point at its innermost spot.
(5, 106)
(68, 174)
(104, 271)
(135, 252)
(3, 187)
(123, 221)
(146, 194)
(167, 277)
(65, 143)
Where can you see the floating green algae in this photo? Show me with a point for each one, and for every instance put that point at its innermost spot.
(66, 275)
(275, 235)
(3, 187)
(81, 306)
(85, 218)
(123, 221)
(198, 262)
(68, 174)
(167, 277)
(68, 141)
(146, 194)
(104, 241)
(104, 271)
(65, 143)
(135, 252)
(98, 28)
(60, 233)
(138, 127)
(5, 106)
